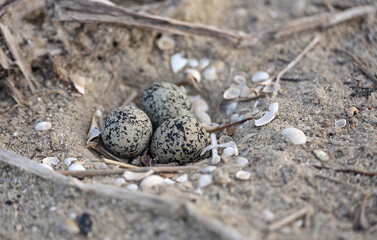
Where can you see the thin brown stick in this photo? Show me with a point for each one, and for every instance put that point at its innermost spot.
(359, 63)
(353, 171)
(294, 62)
(92, 173)
(20, 60)
(288, 219)
(229, 125)
(90, 11)
(155, 203)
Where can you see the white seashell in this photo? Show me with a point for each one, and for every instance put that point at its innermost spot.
(51, 161)
(47, 166)
(43, 126)
(132, 187)
(321, 155)
(101, 166)
(240, 79)
(274, 107)
(229, 151)
(248, 92)
(210, 127)
(210, 73)
(204, 62)
(76, 167)
(234, 117)
(243, 175)
(268, 215)
(193, 63)
(119, 182)
(295, 135)
(182, 178)
(150, 181)
(242, 162)
(215, 158)
(232, 92)
(269, 88)
(340, 123)
(177, 62)
(68, 161)
(107, 2)
(265, 82)
(79, 82)
(208, 169)
(93, 133)
(169, 181)
(200, 105)
(260, 76)
(222, 145)
(240, 118)
(202, 117)
(194, 73)
(204, 181)
(231, 108)
(267, 117)
(136, 176)
(165, 43)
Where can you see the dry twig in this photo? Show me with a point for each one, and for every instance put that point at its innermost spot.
(353, 171)
(229, 125)
(90, 11)
(152, 202)
(293, 63)
(289, 218)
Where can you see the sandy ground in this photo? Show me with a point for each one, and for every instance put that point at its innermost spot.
(117, 61)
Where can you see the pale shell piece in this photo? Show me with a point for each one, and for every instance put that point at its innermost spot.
(204, 62)
(136, 176)
(208, 169)
(242, 162)
(260, 76)
(169, 181)
(295, 135)
(194, 73)
(274, 107)
(204, 181)
(51, 161)
(119, 182)
(177, 62)
(265, 82)
(165, 43)
(200, 105)
(182, 178)
(248, 92)
(202, 117)
(210, 73)
(321, 155)
(209, 127)
(94, 131)
(76, 167)
(269, 88)
(267, 117)
(341, 123)
(229, 151)
(222, 145)
(107, 2)
(193, 63)
(68, 161)
(70, 226)
(101, 166)
(352, 111)
(231, 108)
(243, 175)
(79, 82)
(234, 117)
(43, 126)
(232, 93)
(47, 166)
(215, 160)
(240, 79)
(132, 187)
(150, 181)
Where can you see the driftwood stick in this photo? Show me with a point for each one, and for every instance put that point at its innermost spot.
(288, 219)
(88, 11)
(152, 202)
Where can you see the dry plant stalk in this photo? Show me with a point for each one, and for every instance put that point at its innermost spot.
(289, 218)
(90, 11)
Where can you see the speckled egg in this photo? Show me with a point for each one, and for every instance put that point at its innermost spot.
(162, 101)
(126, 131)
(179, 139)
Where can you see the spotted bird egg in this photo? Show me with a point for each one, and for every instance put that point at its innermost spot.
(162, 101)
(126, 131)
(179, 139)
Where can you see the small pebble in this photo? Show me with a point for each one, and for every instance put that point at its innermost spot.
(341, 123)
(243, 175)
(132, 187)
(229, 151)
(101, 166)
(136, 176)
(208, 169)
(51, 161)
(295, 135)
(169, 181)
(182, 178)
(210, 73)
(242, 161)
(150, 181)
(204, 181)
(68, 161)
(76, 167)
(43, 126)
(268, 215)
(119, 182)
(204, 62)
(321, 155)
(260, 76)
(193, 63)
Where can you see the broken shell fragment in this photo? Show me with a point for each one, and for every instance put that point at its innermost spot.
(260, 76)
(268, 116)
(79, 82)
(242, 162)
(208, 169)
(165, 43)
(182, 178)
(132, 187)
(119, 182)
(177, 62)
(76, 167)
(340, 123)
(204, 62)
(210, 73)
(43, 126)
(204, 181)
(231, 108)
(229, 151)
(321, 155)
(240, 79)
(151, 181)
(295, 135)
(51, 161)
(68, 161)
(232, 92)
(243, 175)
(136, 176)
(194, 73)
(193, 63)
(274, 107)
(352, 111)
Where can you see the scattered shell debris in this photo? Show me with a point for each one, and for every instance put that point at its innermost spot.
(204, 181)
(222, 145)
(203, 63)
(321, 155)
(294, 135)
(242, 162)
(79, 82)
(68, 161)
(43, 126)
(210, 73)
(194, 74)
(215, 158)
(232, 92)
(182, 178)
(208, 169)
(132, 187)
(341, 123)
(119, 182)
(136, 176)
(268, 116)
(193, 63)
(151, 181)
(177, 62)
(165, 42)
(76, 167)
(260, 76)
(243, 175)
(169, 181)
(352, 111)
(51, 161)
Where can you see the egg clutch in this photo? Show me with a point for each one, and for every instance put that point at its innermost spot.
(165, 121)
